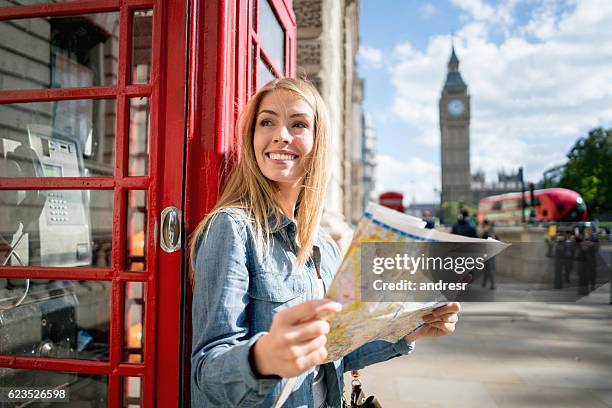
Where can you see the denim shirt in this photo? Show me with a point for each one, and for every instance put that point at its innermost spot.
(236, 295)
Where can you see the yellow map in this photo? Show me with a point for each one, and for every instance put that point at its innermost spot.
(360, 322)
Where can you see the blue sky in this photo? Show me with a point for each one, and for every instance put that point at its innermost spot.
(539, 74)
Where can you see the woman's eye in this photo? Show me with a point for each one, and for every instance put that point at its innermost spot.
(300, 125)
(265, 122)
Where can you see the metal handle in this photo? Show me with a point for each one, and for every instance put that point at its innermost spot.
(170, 229)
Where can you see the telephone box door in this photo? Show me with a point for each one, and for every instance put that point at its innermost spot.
(92, 119)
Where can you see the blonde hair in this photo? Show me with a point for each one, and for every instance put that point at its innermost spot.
(248, 188)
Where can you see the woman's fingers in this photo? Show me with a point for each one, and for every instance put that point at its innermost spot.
(440, 321)
(298, 350)
(444, 327)
(308, 311)
(312, 359)
(453, 307)
(296, 340)
(446, 318)
(307, 331)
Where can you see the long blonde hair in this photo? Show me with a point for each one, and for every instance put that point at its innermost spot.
(248, 189)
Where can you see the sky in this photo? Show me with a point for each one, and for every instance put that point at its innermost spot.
(539, 74)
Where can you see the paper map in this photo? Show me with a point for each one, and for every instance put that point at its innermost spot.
(361, 322)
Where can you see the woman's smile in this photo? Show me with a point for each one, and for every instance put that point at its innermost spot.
(281, 157)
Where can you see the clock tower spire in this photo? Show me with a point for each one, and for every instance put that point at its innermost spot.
(454, 109)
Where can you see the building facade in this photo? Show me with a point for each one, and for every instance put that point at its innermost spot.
(506, 183)
(327, 45)
(454, 108)
(368, 161)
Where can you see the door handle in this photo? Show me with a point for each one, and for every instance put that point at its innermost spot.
(170, 229)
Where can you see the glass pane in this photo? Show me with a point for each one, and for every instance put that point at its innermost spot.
(84, 390)
(73, 138)
(134, 322)
(142, 36)
(136, 257)
(66, 228)
(254, 14)
(59, 52)
(272, 35)
(13, 3)
(264, 73)
(140, 120)
(132, 392)
(253, 62)
(55, 318)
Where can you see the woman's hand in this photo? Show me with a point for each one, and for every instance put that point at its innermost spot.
(296, 340)
(440, 322)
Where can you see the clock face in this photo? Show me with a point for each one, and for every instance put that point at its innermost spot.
(456, 107)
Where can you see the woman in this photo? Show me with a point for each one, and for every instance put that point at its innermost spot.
(262, 265)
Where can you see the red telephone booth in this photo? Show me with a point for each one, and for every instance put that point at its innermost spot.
(116, 128)
(393, 200)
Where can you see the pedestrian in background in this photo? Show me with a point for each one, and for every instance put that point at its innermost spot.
(569, 249)
(489, 270)
(464, 226)
(429, 221)
(590, 247)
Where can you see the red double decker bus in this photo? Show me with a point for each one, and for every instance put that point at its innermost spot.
(550, 204)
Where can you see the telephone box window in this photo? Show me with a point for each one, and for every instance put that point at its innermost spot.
(59, 52)
(13, 3)
(271, 36)
(264, 73)
(142, 36)
(72, 138)
(140, 121)
(134, 322)
(61, 228)
(132, 392)
(83, 390)
(136, 255)
(55, 319)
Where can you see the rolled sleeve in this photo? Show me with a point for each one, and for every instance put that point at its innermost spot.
(221, 373)
(376, 352)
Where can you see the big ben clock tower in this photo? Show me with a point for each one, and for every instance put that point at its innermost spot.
(455, 134)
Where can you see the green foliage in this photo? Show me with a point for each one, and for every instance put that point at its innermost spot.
(588, 171)
(451, 211)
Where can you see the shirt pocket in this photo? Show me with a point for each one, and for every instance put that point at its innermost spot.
(274, 288)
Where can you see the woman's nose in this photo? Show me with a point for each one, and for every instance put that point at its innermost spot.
(283, 135)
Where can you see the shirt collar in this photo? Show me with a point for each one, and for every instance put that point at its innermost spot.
(284, 222)
(277, 224)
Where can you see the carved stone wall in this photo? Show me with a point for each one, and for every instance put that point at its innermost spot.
(327, 45)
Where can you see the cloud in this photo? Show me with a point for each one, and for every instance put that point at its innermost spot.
(476, 9)
(534, 91)
(412, 176)
(429, 10)
(371, 55)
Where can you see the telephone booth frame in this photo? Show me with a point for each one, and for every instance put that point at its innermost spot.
(206, 60)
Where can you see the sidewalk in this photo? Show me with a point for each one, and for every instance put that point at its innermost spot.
(507, 355)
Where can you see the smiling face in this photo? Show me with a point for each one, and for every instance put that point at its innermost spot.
(283, 137)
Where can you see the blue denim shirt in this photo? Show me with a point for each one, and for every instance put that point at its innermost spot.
(236, 295)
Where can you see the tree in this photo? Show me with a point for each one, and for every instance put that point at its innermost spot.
(452, 209)
(588, 171)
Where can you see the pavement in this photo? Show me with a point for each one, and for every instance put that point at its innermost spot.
(507, 355)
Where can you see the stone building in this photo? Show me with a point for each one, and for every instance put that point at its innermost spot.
(506, 183)
(368, 162)
(327, 45)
